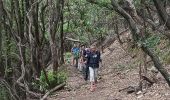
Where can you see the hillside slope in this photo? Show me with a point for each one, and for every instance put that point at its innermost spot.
(119, 71)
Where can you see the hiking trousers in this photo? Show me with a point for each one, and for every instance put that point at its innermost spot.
(93, 74)
(85, 72)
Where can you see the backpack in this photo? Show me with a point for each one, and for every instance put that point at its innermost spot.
(76, 52)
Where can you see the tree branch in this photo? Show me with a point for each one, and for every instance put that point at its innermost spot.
(52, 90)
(162, 12)
(71, 39)
(106, 5)
(12, 93)
(23, 73)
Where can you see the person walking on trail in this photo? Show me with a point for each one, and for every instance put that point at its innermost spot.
(75, 55)
(82, 58)
(85, 52)
(93, 59)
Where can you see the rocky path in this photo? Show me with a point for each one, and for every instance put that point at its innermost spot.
(119, 71)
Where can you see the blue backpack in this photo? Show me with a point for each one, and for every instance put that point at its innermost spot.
(76, 52)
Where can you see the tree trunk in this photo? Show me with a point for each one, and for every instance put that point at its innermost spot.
(159, 4)
(37, 39)
(62, 34)
(116, 29)
(52, 29)
(157, 64)
(1, 67)
(1, 10)
(19, 17)
(8, 75)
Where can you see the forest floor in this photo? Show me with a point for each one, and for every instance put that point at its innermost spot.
(118, 72)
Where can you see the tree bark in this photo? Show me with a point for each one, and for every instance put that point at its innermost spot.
(62, 33)
(157, 64)
(1, 10)
(52, 29)
(159, 4)
(37, 44)
(1, 67)
(116, 29)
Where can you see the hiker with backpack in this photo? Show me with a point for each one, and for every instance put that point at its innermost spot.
(75, 55)
(84, 60)
(93, 59)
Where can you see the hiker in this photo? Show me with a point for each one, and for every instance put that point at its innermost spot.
(75, 55)
(81, 64)
(93, 59)
(86, 67)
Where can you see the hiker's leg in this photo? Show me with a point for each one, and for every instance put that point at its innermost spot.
(91, 78)
(95, 74)
(76, 64)
(72, 60)
(91, 74)
(85, 72)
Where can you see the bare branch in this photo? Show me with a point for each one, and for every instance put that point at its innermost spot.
(23, 73)
(106, 5)
(52, 90)
(71, 39)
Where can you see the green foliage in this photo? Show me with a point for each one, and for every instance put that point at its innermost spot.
(152, 41)
(67, 57)
(87, 20)
(165, 57)
(54, 79)
(4, 95)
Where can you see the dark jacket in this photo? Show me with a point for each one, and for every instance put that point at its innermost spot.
(93, 59)
(83, 54)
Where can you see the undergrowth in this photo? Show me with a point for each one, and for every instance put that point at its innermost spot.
(55, 78)
(4, 95)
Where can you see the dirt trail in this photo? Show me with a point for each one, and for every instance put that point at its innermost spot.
(119, 71)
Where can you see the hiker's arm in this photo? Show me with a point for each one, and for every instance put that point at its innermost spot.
(72, 51)
(81, 59)
(87, 58)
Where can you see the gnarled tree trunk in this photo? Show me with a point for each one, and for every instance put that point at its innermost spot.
(52, 29)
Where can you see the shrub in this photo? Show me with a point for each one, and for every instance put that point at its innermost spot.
(166, 57)
(54, 79)
(152, 41)
(67, 57)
